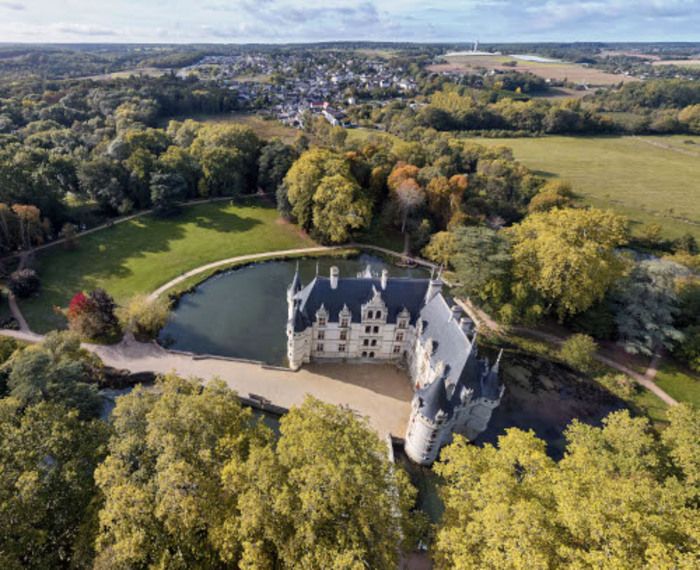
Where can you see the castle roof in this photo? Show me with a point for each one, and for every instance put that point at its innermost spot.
(400, 293)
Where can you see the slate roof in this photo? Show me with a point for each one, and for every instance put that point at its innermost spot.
(400, 293)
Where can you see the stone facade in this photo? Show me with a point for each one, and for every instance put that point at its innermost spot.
(407, 321)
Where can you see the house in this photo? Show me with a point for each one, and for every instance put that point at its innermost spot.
(409, 322)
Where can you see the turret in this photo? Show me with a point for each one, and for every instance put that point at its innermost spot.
(335, 273)
(385, 278)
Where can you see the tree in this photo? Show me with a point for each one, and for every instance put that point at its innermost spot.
(554, 194)
(31, 229)
(23, 283)
(92, 316)
(339, 206)
(644, 307)
(442, 248)
(167, 190)
(569, 256)
(276, 158)
(163, 499)
(610, 502)
(578, 351)
(305, 176)
(143, 317)
(56, 370)
(47, 492)
(408, 197)
(69, 234)
(333, 469)
(482, 257)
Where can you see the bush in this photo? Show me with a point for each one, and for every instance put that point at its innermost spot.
(92, 316)
(689, 348)
(142, 317)
(578, 351)
(619, 384)
(24, 283)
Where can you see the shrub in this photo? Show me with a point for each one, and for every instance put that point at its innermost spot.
(143, 317)
(578, 351)
(619, 384)
(24, 282)
(689, 348)
(92, 316)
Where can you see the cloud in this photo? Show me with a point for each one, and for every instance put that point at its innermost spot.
(82, 29)
(13, 6)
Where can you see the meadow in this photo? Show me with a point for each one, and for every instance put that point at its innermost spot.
(649, 179)
(139, 255)
(555, 70)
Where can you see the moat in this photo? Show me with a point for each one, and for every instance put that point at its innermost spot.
(242, 313)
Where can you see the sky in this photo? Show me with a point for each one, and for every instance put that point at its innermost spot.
(280, 21)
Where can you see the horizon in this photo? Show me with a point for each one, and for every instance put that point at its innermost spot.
(241, 22)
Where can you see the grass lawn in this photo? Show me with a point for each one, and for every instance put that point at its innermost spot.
(650, 179)
(681, 384)
(265, 128)
(142, 254)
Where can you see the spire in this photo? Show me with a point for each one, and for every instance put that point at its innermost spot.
(295, 286)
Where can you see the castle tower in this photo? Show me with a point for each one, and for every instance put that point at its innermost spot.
(429, 426)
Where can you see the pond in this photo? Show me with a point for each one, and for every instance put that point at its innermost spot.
(242, 313)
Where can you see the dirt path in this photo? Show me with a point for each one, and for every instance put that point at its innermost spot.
(658, 144)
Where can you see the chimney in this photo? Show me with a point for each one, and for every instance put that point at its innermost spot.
(456, 312)
(335, 272)
(466, 325)
(385, 278)
(434, 288)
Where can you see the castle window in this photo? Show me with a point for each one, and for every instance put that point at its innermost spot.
(368, 330)
(370, 314)
(397, 348)
(371, 354)
(402, 324)
(321, 335)
(376, 330)
(319, 347)
(344, 322)
(374, 342)
(365, 342)
(378, 315)
(322, 321)
(343, 335)
(341, 348)
(364, 354)
(399, 337)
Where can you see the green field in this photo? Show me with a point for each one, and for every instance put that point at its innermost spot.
(682, 385)
(650, 179)
(140, 255)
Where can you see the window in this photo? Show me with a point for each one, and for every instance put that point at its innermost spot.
(364, 354)
(374, 342)
(322, 321)
(397, 348)
(319, 347)
(321, 335)
(371, 354)
(341, 348)
(376, 330)
(365, 342)
(370, 314)
(402, 324)
(378, 315)
(368, 330)
(399, 337)
(343, 335)
(344, 322)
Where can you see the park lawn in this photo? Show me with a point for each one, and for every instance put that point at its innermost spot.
(140, 255)
(681, 384)
(650, 179)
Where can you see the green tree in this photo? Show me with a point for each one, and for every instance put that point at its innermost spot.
(328, 497)
(164, 504)
(143, 317)
(47, 492)
(56, 370)
(578, 351)
(569, 256)
(482, 257)
(276, 158)
(442, 248)
(339, 206)
(167, 190)
(617, 499)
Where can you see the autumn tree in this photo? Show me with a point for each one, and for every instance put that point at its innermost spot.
(569, 256)
(553, 194)
(618, 499)
(93, 315)
(30, 226)
(339, 206)
(143, 317)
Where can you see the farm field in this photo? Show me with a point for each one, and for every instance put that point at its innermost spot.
(558, 71)
(650, 179)
(139, 255)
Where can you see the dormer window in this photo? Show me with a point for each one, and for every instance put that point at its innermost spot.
(322, 321)
(378, 315)
(403, 323)
(344, 322)
(370, 314)
(399, 337)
